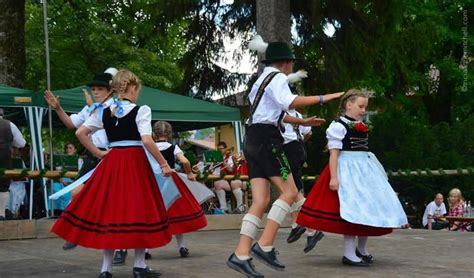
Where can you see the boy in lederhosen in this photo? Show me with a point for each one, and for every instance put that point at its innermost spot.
(267, 163)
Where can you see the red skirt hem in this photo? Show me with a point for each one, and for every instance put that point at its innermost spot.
(185, 215)
(321, 212)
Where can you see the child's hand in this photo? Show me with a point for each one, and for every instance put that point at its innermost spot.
(88, 97)
(313, 121)
(334, 184)
(191, 177)
(166, 170)
(52, 100)
(102, 154)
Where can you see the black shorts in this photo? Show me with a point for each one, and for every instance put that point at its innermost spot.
(296, 153)
(263, 150)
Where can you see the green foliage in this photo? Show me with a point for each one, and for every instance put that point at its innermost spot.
(87, 37)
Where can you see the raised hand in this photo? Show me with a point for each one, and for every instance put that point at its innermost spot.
(52, 100)
(88, 97)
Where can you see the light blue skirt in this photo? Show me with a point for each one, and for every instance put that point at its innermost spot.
(365, 195)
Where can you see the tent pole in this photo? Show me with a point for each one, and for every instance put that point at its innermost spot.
(48, 85)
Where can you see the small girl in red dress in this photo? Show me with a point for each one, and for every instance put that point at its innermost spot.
(120, 206)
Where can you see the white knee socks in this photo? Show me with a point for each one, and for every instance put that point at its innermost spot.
(239, 196)
(3, 202)
(250, 224)
(349, 248)
(221, 196)
(180, 241)
(362, 243)
(140, 258)
(107, 260)
(278, 211)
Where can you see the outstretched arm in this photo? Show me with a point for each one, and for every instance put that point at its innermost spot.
(303, 101)
(53, 101)
(311, 121)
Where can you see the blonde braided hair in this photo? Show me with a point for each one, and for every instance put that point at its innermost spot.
(121, 82)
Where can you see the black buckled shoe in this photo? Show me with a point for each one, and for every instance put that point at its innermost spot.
(295, 234)
(312, 240)
(183, 252)
(245, 267)
(120, 257)
(346, 261)
(366, 258)
(69, 245)
(145, 272)
(267, 258)
(147, 256)
(105, 274)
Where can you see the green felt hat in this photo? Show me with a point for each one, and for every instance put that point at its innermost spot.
(278, 51)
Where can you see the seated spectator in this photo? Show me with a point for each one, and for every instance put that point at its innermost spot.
(220, 186)
(434, 213)
(456, 208)
(17, 188)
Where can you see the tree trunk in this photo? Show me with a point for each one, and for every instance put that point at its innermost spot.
(273, 22)
(12, 42)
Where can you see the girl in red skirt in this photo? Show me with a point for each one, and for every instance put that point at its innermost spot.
(185, 214)
(352, 195)
(120, 206)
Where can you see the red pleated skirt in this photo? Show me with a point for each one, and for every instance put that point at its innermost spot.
(185, 214)
(120, 206)
(320, 211)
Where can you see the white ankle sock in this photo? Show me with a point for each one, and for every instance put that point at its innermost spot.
(221, 197)
(242, 258)
(239, 195)
(361, 245)
(140, 258)
(107, 260)
(180, 241)
(294, 225)
(3, 202)
(349, 248)
(266, 248)
(311, 233)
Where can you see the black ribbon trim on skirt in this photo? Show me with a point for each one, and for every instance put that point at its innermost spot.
(185, 217)
(114, 231)
(315, 215)
(104, 226)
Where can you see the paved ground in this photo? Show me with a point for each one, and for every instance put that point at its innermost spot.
(407, 253)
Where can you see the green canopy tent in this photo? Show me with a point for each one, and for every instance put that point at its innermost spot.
(18, 102)
(184, 113)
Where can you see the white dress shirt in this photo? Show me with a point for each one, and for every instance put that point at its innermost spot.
(276, 98)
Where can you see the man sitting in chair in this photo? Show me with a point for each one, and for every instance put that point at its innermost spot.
(220, 186)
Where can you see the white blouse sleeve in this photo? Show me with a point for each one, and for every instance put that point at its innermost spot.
(335, 133)
(93, 123)
(304, 129)
(80, 118)
(143, 120)
(280, 92)
(177, 150)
